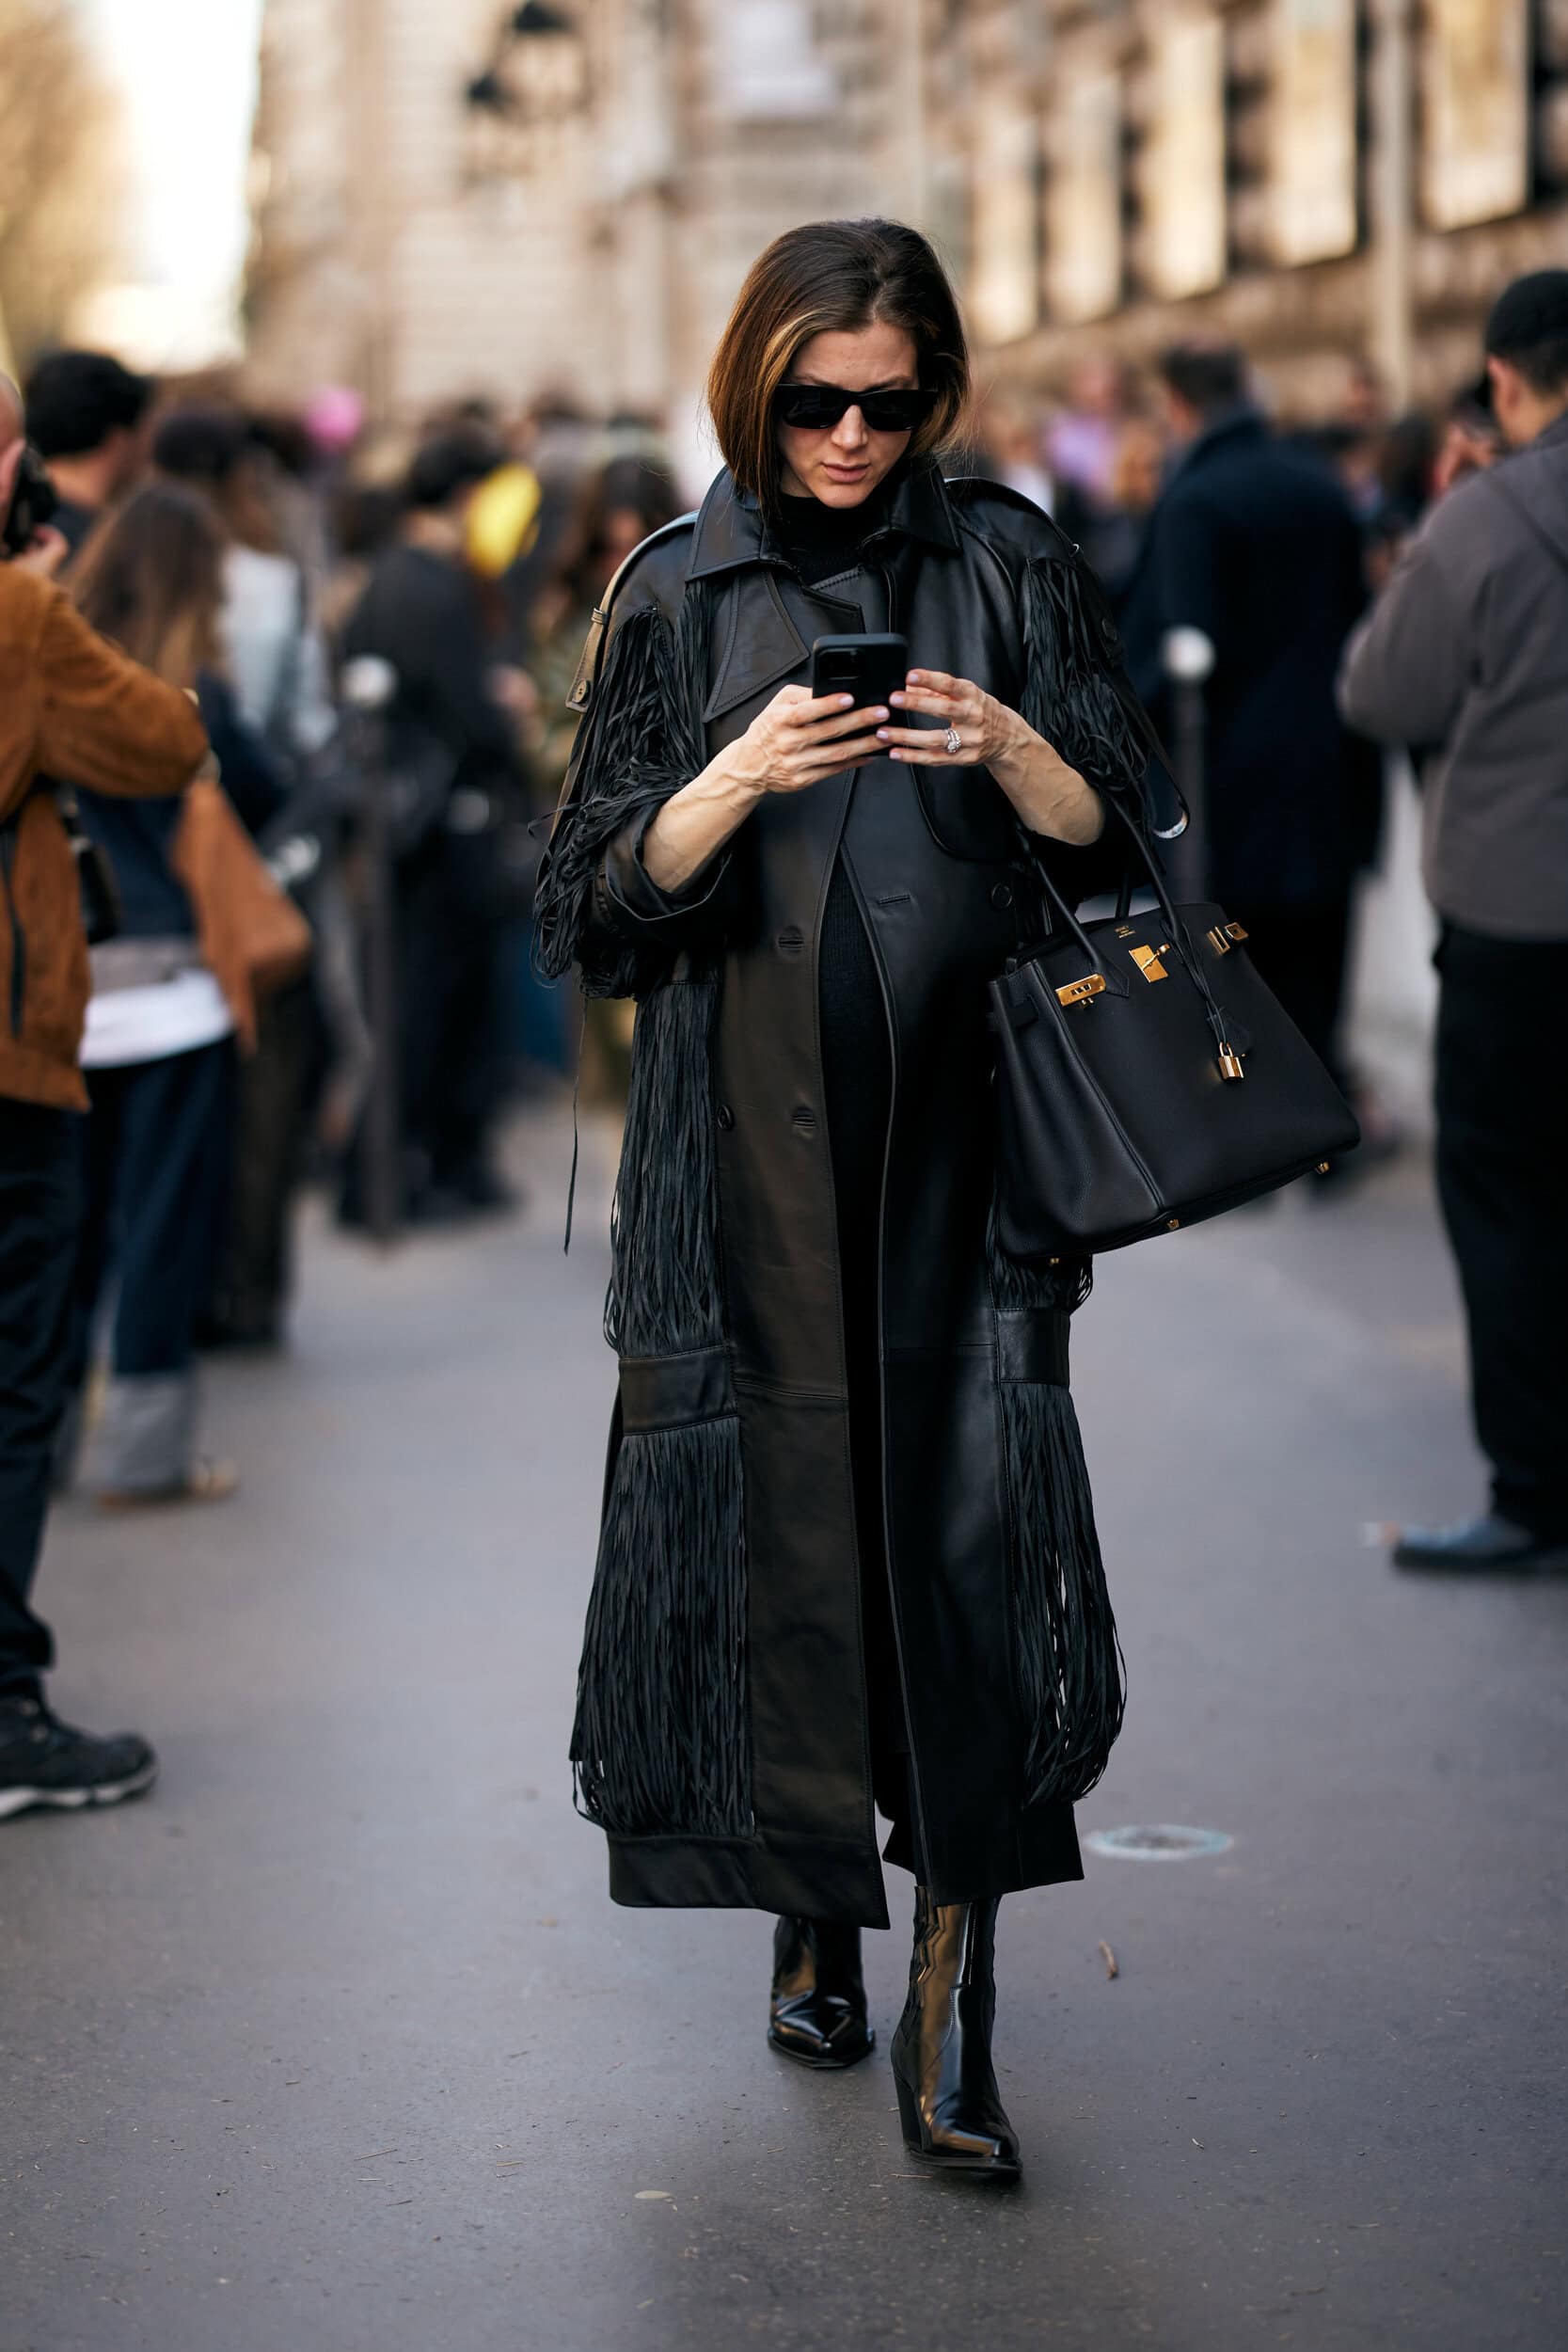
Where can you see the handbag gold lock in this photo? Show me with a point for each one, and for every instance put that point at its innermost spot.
(1079, 992)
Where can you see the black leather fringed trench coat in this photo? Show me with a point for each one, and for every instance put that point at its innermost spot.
(722, 1735)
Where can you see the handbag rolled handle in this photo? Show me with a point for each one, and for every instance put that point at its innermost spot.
(1230, 1060)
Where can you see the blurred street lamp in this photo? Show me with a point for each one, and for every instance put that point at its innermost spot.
(534, 83)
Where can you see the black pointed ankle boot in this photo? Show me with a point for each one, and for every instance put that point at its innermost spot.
(817, 2011)
(948, 2103)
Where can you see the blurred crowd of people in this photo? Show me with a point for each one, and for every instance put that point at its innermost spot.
(377, 633)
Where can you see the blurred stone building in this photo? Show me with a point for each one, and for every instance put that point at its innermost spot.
(1316, 179)
(523, 201)
(564, 197)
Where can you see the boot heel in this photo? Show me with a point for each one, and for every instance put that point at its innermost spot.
(909, 2115)
(949, 2105)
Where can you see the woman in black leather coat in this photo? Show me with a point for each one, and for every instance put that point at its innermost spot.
(847, 1552)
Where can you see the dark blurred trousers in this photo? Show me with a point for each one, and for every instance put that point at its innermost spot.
(255, 1268)
(1502, 1177)
(1302, 953)
(156, 1161)
(450, 1010)
(39, 1219)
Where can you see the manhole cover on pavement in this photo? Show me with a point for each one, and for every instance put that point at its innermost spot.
(1158, 1841)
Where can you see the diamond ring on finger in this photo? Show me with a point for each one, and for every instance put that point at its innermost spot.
(952, 743)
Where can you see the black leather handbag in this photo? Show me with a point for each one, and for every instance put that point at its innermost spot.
(1146, 1076)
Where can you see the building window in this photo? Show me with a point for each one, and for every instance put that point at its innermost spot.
(1004, 289)
(1183, 164)
(1313, 179)
(1083, 235)
(1474, 111)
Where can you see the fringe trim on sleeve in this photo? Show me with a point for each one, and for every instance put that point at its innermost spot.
(1075, 693)
(640, 742)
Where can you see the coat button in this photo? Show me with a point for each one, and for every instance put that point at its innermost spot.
(1001, 895)
(803, 1120)
(727, 1117)
(790, 942)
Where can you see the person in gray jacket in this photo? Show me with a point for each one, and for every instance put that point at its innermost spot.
(1464, 659)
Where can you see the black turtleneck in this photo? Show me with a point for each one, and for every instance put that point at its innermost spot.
(822, 540)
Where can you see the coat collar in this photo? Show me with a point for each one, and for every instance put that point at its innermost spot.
(732, 531)
(1233, 428)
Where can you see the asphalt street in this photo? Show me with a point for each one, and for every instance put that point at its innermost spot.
(335, 2042)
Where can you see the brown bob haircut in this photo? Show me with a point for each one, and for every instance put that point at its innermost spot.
(832, 276)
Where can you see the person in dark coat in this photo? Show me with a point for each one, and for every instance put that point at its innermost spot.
(847, 1553)
(423, 611)
(1258, 546)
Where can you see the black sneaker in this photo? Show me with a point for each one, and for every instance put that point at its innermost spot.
(43, 1761)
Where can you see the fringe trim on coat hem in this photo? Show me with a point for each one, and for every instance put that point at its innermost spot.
(661, 1743)
(1070, 1670)
(641, 741)
(666, 1296)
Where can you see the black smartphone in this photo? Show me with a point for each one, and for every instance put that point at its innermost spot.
(871, 668)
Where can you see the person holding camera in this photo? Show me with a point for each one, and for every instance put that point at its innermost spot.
(847, 1552)
(71, 706)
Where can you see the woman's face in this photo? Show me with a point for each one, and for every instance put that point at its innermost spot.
(842, 464)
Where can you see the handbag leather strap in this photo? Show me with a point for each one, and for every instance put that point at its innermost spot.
(1181, 937)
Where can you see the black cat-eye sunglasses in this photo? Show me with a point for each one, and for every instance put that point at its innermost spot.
(818, 407)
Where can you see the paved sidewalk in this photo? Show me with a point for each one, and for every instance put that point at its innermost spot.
(336, 2043)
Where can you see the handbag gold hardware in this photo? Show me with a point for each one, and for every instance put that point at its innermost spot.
(1079, 992)
(1148, 963)
(1225, 936)
(1230, 1063)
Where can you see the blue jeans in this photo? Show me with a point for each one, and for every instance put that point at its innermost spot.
(156, 1160)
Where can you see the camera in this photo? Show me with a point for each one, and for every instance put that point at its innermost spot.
(33, 500)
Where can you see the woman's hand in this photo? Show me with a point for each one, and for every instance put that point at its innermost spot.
(800, 739)
(977, 731)
(987, 730)
(795, 742)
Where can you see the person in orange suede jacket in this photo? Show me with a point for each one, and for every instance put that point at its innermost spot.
(70, 705)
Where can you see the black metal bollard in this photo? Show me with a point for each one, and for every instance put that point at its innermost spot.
(1188, 657)
(368, 685)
